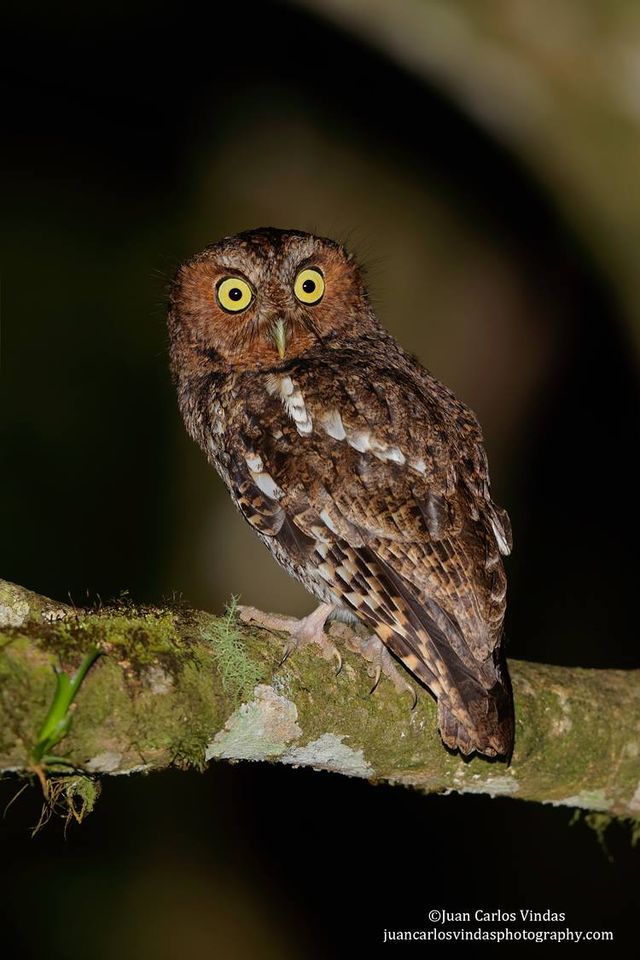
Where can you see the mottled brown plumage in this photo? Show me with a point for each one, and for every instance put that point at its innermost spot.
(364, 475)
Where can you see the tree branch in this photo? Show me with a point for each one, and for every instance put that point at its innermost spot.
(180, 687)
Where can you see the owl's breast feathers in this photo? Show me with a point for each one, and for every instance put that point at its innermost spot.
(368, 480)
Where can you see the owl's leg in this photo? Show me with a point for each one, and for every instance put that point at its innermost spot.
(380, 662)
(309, 629)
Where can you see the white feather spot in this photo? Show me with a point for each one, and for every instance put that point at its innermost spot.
(501, 540)
(328, 522)
(418, 465)
(279, 386)
(363, 441)
(254, 462)
(390, 453)
(331, 422)
(292, 401)
(295, 407)
(267, 484)
(359, 440)
(286, 386)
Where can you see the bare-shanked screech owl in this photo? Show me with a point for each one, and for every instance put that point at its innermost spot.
(364, 476)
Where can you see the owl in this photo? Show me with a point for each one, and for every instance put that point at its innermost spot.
(363, 475)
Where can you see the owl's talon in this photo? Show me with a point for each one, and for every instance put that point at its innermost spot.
(309, 629)
(380, 662)
(288, 650)
(338, 657)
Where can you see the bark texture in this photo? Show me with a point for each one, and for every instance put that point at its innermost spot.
(180, 687)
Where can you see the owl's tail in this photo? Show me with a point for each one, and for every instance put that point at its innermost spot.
(486, 725)
(475, 704)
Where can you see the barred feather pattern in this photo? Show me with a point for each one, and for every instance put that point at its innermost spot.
(392, 518)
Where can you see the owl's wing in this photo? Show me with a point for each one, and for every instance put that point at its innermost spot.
(384, 501)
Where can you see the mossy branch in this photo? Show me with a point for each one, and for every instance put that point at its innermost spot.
(176, 687)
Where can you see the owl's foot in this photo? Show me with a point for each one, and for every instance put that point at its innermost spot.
(380, 662)
(309, 629)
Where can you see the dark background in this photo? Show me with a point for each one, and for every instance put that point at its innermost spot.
(137, 136)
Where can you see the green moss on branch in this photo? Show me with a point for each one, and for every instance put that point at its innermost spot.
(179, 688)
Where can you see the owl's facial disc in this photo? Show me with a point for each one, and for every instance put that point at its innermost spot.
(263, 298)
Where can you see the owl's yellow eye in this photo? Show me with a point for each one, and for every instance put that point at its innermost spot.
(309, 286)
(234, 294)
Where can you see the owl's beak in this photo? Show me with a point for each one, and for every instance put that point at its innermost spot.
(279, 336)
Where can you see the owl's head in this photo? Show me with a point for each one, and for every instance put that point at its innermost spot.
(262, 298)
